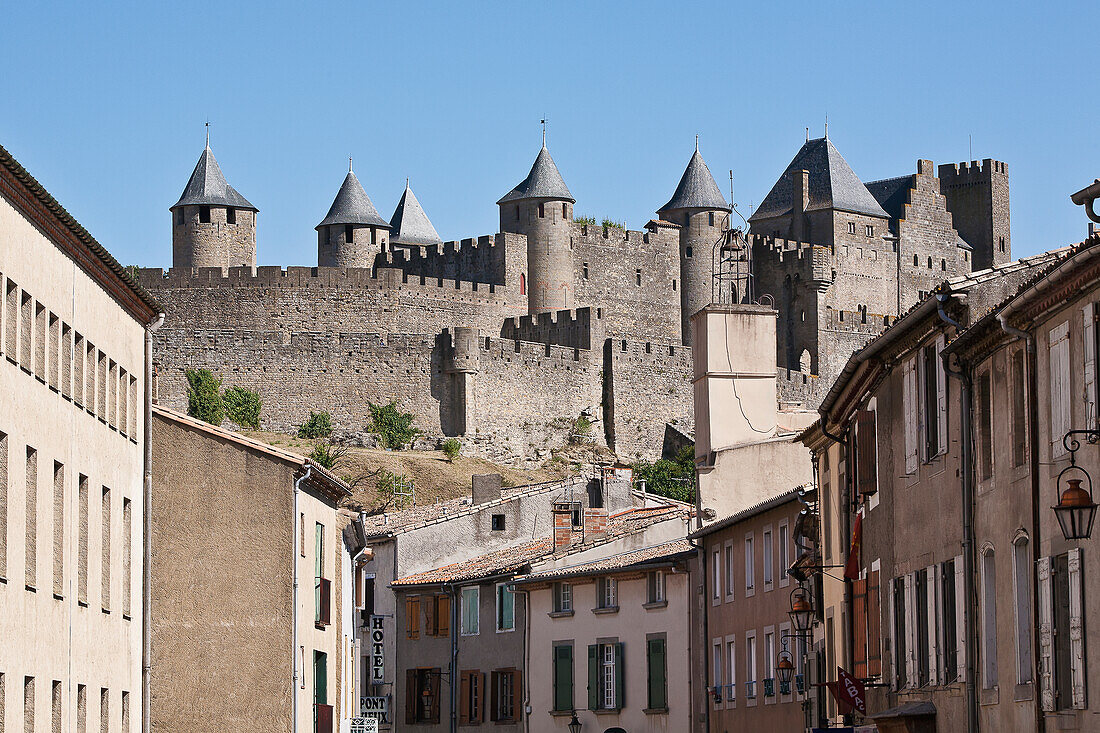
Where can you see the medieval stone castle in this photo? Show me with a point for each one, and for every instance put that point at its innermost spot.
(505, 340)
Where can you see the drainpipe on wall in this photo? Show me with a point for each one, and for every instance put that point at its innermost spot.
(701, 598)
(455, 617)
(966, 440)
(1033, 461)
(147, 503)
(294, 603)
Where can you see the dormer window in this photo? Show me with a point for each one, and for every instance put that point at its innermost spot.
(204, 214)
(230, 216)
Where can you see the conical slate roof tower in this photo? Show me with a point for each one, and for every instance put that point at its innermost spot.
(409, 224)
(352, 233)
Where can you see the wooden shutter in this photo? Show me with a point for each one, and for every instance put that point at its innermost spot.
(911, 650)
(430, 627)
(1059, 387)
(593, 677)
(941, 400)
(859, 627)
(433, 682)
(874, 642)
(962, 600)
(910, 404)
(443, 614)
(1076, 629)
(1046, 635)
(866, 453)
(563, 677)
(931, 584)
(412, 617)
(658, 674)
(620, 678)
(411, 694)
(464, 698)
(516, 679)
(479, 717)
(1089, 318)
(494, 696)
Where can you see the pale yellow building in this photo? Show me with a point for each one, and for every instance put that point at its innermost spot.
(73, 368)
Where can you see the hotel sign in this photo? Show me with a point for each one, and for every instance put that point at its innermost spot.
(377, 650)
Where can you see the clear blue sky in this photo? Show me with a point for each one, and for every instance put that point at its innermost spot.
(106, 104)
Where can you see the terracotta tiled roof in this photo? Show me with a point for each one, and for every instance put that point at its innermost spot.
(752, 511)
(514, 559)
(645, 556)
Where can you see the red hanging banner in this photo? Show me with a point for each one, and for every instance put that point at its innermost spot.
(851, 569)
(849, 691)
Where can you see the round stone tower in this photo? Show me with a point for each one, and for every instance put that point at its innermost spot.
(212, 224)
(541, 207)
(352, 232)
(702, 213)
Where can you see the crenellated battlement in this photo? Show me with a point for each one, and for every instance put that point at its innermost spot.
(570, 328)
(596, 234)
(855, 321)
(955, 174)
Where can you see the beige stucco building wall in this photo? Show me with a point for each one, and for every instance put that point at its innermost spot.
(225, 541)
(71, 376)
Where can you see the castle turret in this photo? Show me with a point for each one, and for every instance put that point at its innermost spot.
(409, 225)
(541, 207)
(702, 214)
(977, 197)
(352, 232)
(212, 224)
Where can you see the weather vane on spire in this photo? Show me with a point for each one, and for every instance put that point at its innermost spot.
(349, 164)
(697, 142)
(543, 121)
(207, 132)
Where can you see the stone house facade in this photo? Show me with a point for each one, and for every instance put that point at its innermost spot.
(888, 449)
(73, 440)
(609, 641)
(247, 581)
(745, 559)
(464, 334)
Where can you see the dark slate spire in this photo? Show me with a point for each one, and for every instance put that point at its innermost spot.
(833, 184)
(697, 189)
(207, 186)
(352, 206)
(409, 224)
(543, 182)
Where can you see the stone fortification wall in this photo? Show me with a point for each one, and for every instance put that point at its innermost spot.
(800, 389)
(499, 260)
(631, 279)
(646, 384)
(577, 328)
(977, 196)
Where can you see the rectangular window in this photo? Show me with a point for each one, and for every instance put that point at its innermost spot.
(78, 370)
(125, 711)
(58, 529)
(731, 669)
(55, 706)
(638, 277)
(769, 664)
(505, 687)
(104, 710)
(39, 341)
(655, 586)
(716, 575)
(860, 618)
(608, 593)
(911, 415)
(874, 642)
(750, 565)
(231, 216)
(750, 666)
(1021, 570)
(422, 695)
(657, 682)
(607, 677)
(542, 211)
(870, 230)
(28, 704)
(866, 452)
(506, 608)
(26, 330)
(471, 602)
(851, 227)
(412, 617)
(923, 628)
(1060, 388)
(31, 533)
(563, 677)
(82, 509)
(81, 709)
(716, 658)
(989, 620)
(1019, 410)
(105, 541)
(949, 616)
(930, 401)
(901, 677)
(729, 571)
(127, 532)
(584, 270)
(204, 214)
(768, 570)
(471, 700)
(563, 597)
(321, 585)
(53, 362)
(784, 553)
(11, 320)
(985, 426)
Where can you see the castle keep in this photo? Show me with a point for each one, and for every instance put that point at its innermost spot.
(506, 339)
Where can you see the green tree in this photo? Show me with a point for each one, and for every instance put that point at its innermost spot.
(327, 455)
(393, 427)
(319, 425)
(673, 479)
(204, 396)
(242, 406)
(451, 447)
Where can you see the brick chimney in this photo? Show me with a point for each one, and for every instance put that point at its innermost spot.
(800, 201)
(595, 524)
(563, 525)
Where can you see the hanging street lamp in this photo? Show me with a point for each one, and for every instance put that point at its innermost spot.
(1076, 509)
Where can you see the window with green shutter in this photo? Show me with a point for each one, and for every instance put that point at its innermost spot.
(563, 677)
(658, 674)
(620, 675)
(593, 677)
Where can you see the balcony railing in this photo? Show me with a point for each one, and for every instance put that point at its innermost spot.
(322, 718)
(323, 590)
(750, 690)
(731, 692)
(800, 683)
(769, 687)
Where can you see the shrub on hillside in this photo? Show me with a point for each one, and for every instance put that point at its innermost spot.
(327, 455)
(204, 397)
(451, 447)
(673, 479)
(242, 406)
(393, 427)
(319, 425)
